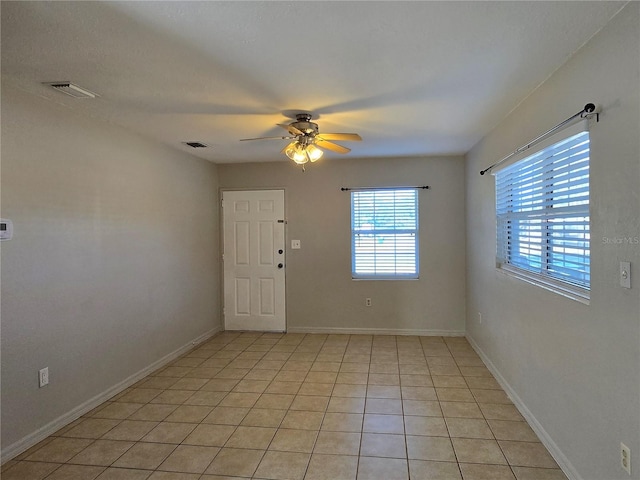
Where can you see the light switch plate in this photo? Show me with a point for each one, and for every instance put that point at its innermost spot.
(295, 244)
(625, 274)
(6, 229)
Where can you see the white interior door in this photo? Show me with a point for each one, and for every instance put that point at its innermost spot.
(253, 258)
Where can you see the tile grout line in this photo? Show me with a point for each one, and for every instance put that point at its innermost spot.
(300, 348)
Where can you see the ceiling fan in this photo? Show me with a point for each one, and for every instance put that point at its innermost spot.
(305, 140)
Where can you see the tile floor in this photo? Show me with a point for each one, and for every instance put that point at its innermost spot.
(295, 406)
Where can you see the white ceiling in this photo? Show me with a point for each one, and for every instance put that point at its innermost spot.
(412, 78)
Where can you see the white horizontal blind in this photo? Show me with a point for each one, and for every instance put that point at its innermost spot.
(384, 233)
(542, 209)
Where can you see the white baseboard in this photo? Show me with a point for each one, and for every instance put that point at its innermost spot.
(32, 439)
(563, 462)
(377, 331)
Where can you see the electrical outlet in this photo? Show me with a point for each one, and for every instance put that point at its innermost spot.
(625, 458)
(43, 377)
(367, 302)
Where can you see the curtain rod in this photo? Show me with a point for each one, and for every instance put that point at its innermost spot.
(588, 111)
(349, 189)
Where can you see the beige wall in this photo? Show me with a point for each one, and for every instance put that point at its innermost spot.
(575, 368)
(321, 296)
(113, 264)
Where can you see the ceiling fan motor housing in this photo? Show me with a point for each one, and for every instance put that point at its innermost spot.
(305, 139)
(304, 124)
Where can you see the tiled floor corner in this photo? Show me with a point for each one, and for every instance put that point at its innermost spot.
(302, 407)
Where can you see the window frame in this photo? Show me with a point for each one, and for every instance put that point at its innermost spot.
(413, 231)
(544, 276)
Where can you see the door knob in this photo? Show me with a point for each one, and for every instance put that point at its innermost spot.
(280, 251)
(280, 265)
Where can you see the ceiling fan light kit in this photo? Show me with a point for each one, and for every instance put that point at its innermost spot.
(307, 141)
(302, 154)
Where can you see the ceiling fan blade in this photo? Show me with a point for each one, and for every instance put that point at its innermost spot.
(347, 137)
(291, 129)
(334, 147)
(266, 138)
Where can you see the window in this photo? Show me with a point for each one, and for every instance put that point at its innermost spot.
(542, 210)
(384, 234)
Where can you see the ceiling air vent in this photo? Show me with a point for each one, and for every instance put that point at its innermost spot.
(195, 144)
(72, 90)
